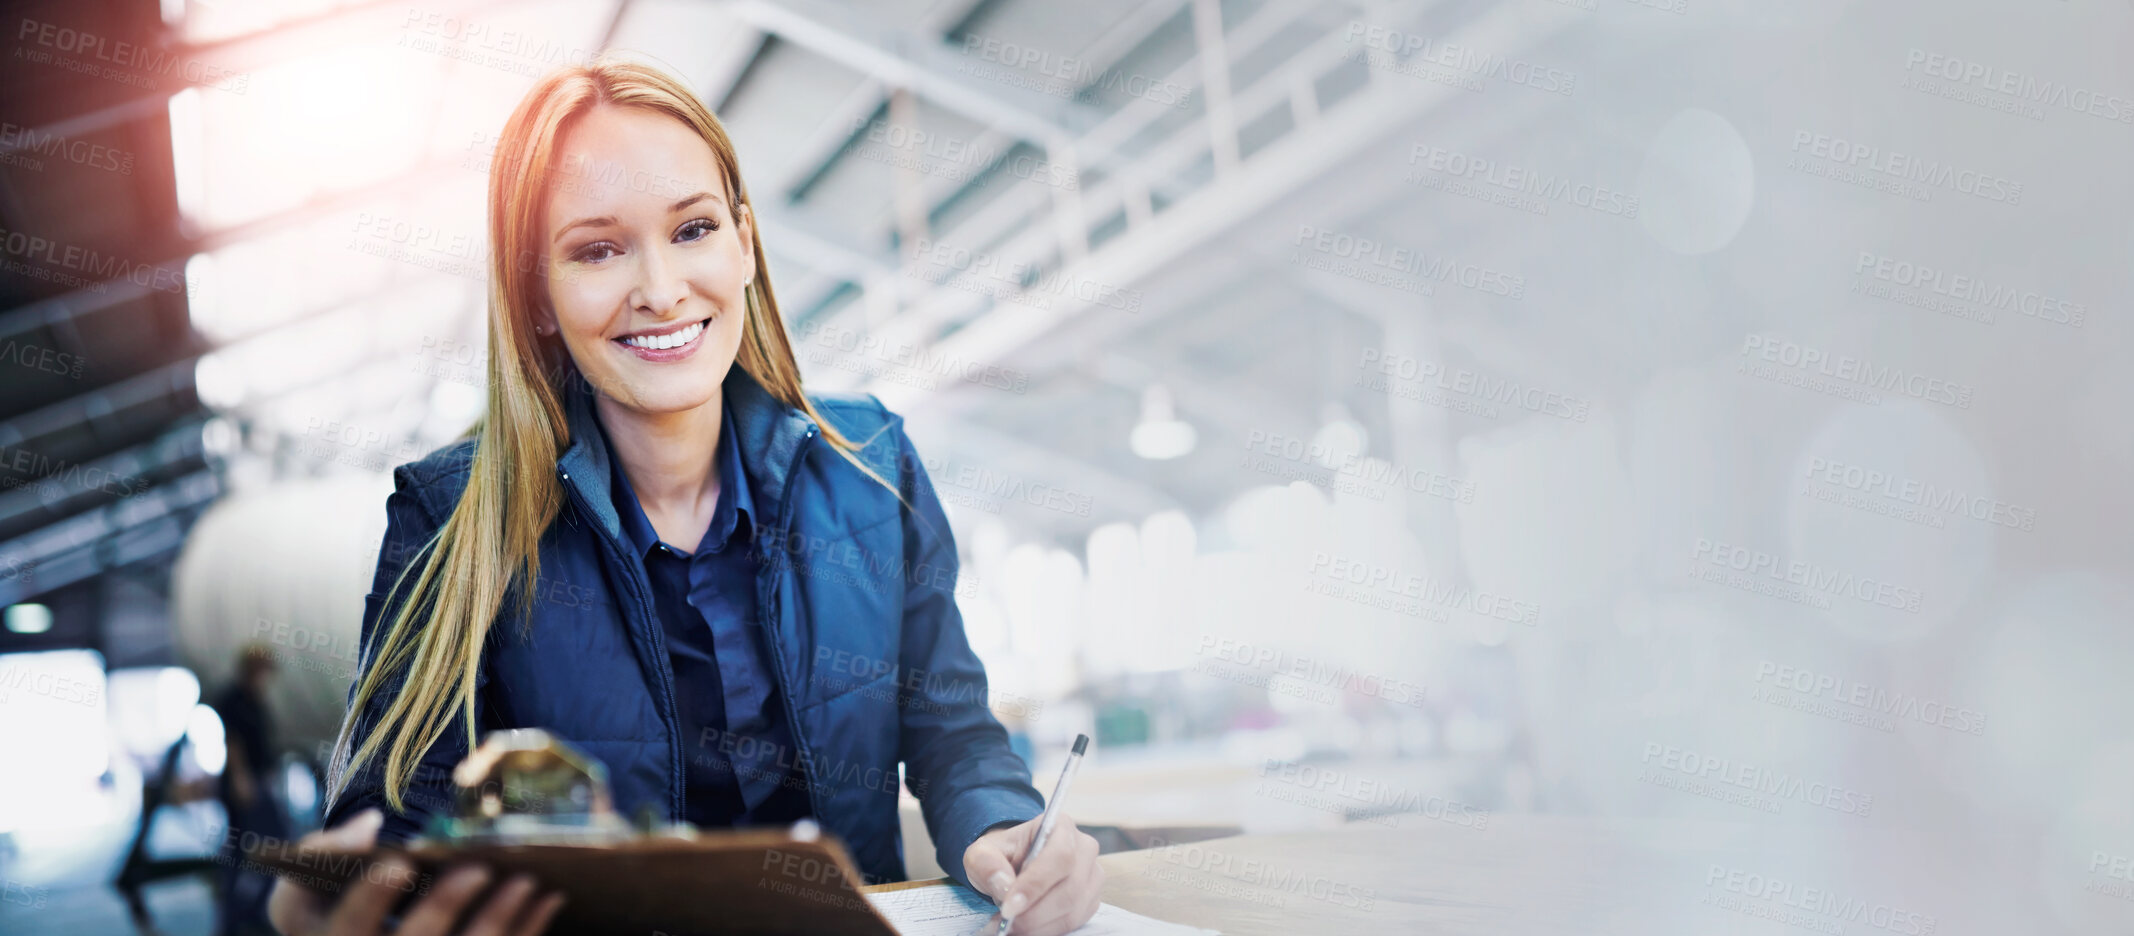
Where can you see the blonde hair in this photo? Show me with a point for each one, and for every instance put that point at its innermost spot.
(491, 539)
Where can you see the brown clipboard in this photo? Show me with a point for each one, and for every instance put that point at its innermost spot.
(759, 882)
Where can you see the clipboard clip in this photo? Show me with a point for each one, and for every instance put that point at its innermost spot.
(525, 786)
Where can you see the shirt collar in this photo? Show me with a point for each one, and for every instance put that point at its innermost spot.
(772, 436)
(732, 515)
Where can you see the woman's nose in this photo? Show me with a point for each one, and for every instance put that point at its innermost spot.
(660, 284)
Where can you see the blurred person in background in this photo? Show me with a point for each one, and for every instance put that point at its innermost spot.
(247, 790)
(740, 598)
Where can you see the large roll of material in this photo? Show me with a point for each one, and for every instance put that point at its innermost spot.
(286, 566)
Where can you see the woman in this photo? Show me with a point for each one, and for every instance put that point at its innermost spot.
(739, 598)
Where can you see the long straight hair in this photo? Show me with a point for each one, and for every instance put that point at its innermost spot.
(491, 540)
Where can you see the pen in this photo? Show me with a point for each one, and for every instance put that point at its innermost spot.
(1052, 813)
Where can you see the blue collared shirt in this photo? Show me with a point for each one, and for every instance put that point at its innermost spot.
(742, 768)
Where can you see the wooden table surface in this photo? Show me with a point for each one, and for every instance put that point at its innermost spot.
(1528, 874)
(1505, 877)
(1540, 874)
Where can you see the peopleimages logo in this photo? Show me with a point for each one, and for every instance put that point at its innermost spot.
(40, 358)
(1023, 280)
(1920, 494)
(1520, 180)
(1821, 900)
(1260, 879)
(1871, 698)
(1423, 588)
(1350, 472)
(1311, 670)
(2027, 88)
(1901, 167)
(1806, 575)
(1728, 772)
(1416, 371)
(1855, 373)
(20, 466)
(1411, 262)
(1002, 487)
(1997, 297)
(952, 157)
(1379, 799)
(130, 63)
(2117, 878)
(57, 686)
(1066, 76)
(20, 894)
(502, 46)
(17, 139)
(908, 356)
(320, 641)
(96, 266)
(1408, 46)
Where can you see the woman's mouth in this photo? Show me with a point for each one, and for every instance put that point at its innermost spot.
(665, 344)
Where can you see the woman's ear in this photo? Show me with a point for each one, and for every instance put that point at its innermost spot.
(745, 228)
(555, 355)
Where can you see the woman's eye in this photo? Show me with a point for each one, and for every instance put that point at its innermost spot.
(696, 230)
(594, 252)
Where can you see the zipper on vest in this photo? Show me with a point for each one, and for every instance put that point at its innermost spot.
(677, 785)
(767, 609)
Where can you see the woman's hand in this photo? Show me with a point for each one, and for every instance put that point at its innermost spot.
(301, 911)
(1056, 892)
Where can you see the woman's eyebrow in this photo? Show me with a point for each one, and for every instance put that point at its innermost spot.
(693, 199)
(602, 221)
(608, 220)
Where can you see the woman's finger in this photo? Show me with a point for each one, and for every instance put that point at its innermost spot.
(435, 914)
(296, 907)
(367, 898)
(535, 920)
(359, 833)
(1077, 898)
(1091, 888)
(1071, 902)
(1044, 870)
(989, 865)
(1096, 884)
(504, 906)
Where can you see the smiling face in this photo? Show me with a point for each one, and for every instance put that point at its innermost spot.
(649, 261)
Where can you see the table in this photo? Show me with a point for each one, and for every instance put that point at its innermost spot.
(1521, 874)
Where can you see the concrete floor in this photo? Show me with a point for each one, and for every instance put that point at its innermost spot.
(183, 907)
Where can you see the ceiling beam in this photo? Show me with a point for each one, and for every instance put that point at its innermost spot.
(839, 125)
(923, 64)
(1010, 218)
(81, 547)
(1387, 103)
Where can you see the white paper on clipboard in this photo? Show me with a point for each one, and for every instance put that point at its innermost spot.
(955, 910)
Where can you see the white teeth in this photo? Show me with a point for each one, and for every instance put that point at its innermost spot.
(663, 342)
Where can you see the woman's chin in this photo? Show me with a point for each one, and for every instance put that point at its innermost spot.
(656, 397)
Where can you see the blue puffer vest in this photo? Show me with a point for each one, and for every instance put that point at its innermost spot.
(857, 594)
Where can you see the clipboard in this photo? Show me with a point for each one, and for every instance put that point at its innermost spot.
(757, 882)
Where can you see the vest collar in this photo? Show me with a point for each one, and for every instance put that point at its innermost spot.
(771, 436)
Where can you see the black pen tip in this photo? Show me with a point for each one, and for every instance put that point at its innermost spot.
(1081, 744)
